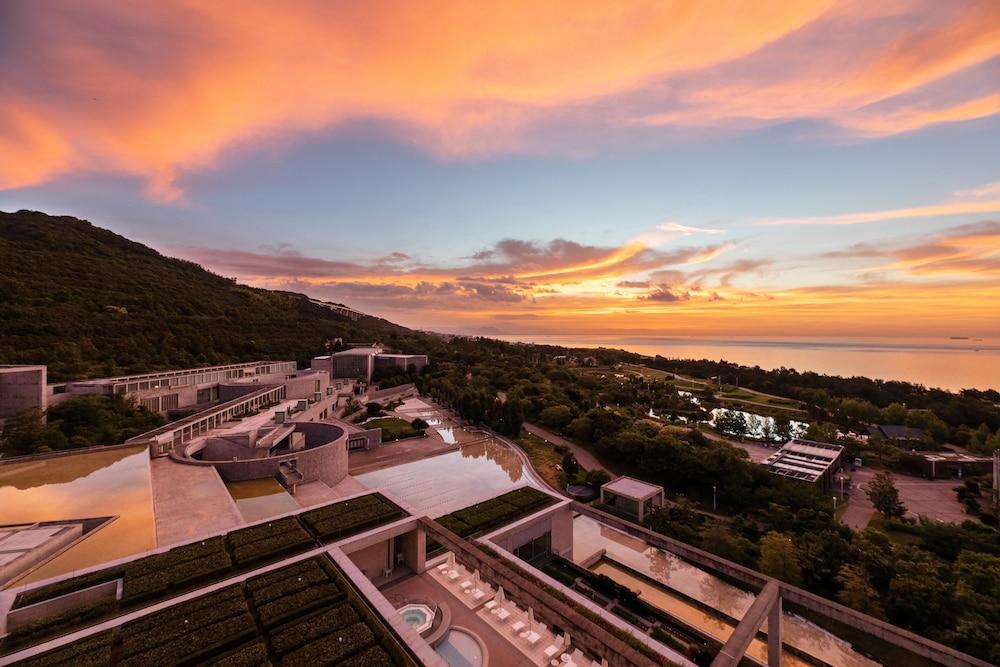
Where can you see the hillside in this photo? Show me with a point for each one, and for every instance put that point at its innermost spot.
(88, 303)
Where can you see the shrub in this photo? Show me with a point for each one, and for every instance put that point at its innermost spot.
(199, 641)
(272, 547)
(94, 650)
(373, 657)
(46, 627)
(333, 647)
(290, 584)
(310, 629)
(305, 567)
(68, 586)
(275, 612)
(253, 533)
(254, 655)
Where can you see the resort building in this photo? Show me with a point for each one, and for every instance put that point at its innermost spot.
(807, 460)
(171, 390)
(632, 497)
(362, 362)
(22, 388)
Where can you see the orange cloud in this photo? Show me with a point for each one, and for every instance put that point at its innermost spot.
(160, 90)
(930, 211)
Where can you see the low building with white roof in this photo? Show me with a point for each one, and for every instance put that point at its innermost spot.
(632, 497)
(807, 460)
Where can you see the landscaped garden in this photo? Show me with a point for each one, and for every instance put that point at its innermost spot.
(304, 614)
(394, 428)
(161, 576)
(487, 515)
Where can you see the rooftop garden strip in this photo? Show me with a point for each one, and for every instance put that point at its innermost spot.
(161, 576)
(490, 514)
(303, 614)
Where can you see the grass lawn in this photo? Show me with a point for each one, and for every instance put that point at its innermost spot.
(544, 458)
(393, 428)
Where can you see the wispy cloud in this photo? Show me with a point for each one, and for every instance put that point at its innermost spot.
(162, 93)
(949, 208)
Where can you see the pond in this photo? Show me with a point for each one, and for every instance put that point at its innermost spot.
(259, 499)
(675, 574)
(90, 484)
(444, 483)
(761, 427)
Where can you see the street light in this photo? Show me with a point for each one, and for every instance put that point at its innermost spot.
(835, 505)
(713, 498)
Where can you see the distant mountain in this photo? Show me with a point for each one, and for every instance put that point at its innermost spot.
(88, 303)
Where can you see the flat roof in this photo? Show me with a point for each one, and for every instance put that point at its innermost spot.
(365, 351)
(803, 459)
(632, 488)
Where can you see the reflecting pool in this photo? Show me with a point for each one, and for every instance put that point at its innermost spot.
(447, 482)
(259, 499)
(590, 536)
(90, 484)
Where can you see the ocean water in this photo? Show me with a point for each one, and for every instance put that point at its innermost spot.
(947, 363)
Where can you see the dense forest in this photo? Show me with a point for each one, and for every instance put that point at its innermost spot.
(940, 580)
(90, 303)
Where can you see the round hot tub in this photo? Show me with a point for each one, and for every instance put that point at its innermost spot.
(419, 616)
(462, 648)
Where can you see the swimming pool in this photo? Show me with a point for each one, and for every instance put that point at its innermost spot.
(460, 648)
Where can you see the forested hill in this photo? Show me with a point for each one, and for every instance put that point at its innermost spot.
(88, 303)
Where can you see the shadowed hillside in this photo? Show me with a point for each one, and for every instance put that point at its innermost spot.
(88, 302)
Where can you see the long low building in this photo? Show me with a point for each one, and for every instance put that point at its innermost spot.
(807, 460)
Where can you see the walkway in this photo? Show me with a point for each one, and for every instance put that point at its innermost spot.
(189, 501)
(583, 456)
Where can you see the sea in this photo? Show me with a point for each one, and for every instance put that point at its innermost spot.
(947, 363)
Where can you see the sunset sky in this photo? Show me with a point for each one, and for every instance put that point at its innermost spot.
(813, 167)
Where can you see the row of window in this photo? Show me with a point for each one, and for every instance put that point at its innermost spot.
(205, 377)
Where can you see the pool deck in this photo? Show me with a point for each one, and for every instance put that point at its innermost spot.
(190, 501)
(503, 652)
(318, 492)
(395, 453)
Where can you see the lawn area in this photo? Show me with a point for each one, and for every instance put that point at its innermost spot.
(543, 456)
(393, 428)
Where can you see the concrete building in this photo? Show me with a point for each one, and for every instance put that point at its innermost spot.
(632, 497)
(946, 465)
(22, 388)
(403, 362)
(362, 362)
(807, 460)
(170, 390)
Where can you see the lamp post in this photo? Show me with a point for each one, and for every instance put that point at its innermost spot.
(835, 505)
(713, 498)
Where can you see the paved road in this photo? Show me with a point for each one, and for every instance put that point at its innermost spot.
(583, 457)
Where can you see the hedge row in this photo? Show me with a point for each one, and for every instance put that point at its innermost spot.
(280, 610)
(328, 527)
(254, 655)
(46, 627)
(176, 579)
(373, 657)
(200, 641)
(311, 629)
(493, 513)
(94, 650)
(177, 622)
(270, 548)
(243, 536)
(343, 507)
(68, 586)
(333, 647)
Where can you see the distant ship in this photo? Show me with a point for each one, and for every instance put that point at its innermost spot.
(959, 338)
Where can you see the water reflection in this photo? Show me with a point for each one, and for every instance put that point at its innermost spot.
(761, 427)
(589, 536)
(260, 499)
(684, 610)
(442, 484)
(100, 483)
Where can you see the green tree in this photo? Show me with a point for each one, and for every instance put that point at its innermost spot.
(721, 542)
(920, 595)
(27, 433)
(732, 422)
(856, 592)
(569, 465)
(884, 495)
(556, 416)
(779, 558)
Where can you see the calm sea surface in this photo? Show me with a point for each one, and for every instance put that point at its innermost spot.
(938, 362)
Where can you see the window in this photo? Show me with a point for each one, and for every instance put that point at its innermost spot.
(168, 402)
(536, 549)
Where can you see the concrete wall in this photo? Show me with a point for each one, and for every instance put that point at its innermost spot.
(105, 592)
(22, 388)
(557, 520)
(373, 559)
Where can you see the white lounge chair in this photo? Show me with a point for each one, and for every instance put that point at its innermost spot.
(553, 649)
(478, 595)
(503, 614)
(453, 575)
(517, 626)
(442, 568)
(532, 638)
(466, 586)
(491, 605)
